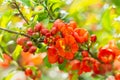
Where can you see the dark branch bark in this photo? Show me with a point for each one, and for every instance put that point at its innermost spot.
(14, 32)
(17, 7)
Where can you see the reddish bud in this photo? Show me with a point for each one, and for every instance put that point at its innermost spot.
(44, 31)
(29, 43)
(85, 53)
(20, 41)
(30, 31)
(48, 34)
(38, 27)
(32, 49)
(93, 38)
(28, 72)
(53, 30)
(45, 40)
(72, 24)
(60, 60)
(75, 64)
(25, 49)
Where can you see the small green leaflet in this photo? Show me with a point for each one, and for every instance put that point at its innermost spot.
(1, 56)
(9, 76)
(47, 62)
(62, 66)
(106, 22)
(16, 52)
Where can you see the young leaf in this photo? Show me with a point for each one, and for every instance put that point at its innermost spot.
(6, 17)
(1, 55)
(9, 76)
(42, 47)
(1, 36)
(47, 62)
(106, 22)
(16, 52)
(62, 66)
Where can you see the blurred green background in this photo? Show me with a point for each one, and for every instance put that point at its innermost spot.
(100, 17)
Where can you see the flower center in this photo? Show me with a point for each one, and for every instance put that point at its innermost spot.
(67, 48)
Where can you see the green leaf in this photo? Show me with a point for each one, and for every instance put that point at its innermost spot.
(1, 56)
(106, 22)
(16, 52)
(47, 62)
(26, 2)
(62, 66)
(116, 2)
(118, 44)
(99, 77)
(75, 76)
(1, 36)
(6, 17)
(42, 47)
(42, 16)
(9, 76)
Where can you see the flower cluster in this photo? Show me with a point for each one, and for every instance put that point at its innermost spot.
(66, 42)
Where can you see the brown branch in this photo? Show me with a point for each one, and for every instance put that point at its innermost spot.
(14, 32)
(17, 7)
(48, 11)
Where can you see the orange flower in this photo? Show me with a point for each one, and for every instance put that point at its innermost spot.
(112, 45)
(52, 54)
(117, 76)
(88, 64)
(72, 24)
(30, 59)
(104, 68)
(59, 24)
(66, 30)
(74, 64)
(81, 35)
(6, 62)
(106, 55)
(66, 47)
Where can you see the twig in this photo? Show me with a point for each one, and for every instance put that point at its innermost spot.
(51, 17)
(14, 32)
(48, 12)
(20, 12)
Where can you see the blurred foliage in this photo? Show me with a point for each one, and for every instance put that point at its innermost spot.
(101, 17)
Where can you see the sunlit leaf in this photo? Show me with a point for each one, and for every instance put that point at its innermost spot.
(1, 36)
(1, 55)
(106, 22)
(75, 76)
(42, 47)
(6, 17)
(78, 5)
(9, 76)
(16, 52)
(42, 16)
